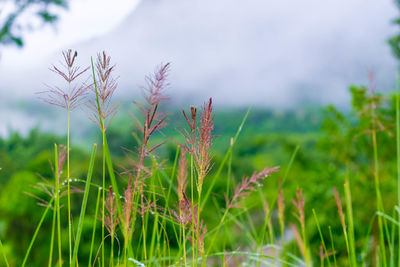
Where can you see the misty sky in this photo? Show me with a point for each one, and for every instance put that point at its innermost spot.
(275, 54)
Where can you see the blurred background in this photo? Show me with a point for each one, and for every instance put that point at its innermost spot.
(302, 66)
(275, 55)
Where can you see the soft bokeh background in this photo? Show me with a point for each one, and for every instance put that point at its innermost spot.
(273, 54)
(293, 62)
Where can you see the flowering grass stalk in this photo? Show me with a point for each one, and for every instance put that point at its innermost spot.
(102, 112)
(111, 221)
(68, 99)
(299, 203)
(199, 140)
(153, 122)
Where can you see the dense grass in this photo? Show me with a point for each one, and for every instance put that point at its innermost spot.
(206, 194)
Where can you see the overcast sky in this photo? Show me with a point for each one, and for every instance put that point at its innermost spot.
(275, 54)
(272, 53)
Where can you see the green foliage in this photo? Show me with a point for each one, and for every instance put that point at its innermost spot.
(335, 146)
(14, 202)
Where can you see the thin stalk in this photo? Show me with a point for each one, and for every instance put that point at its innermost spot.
(391, 248)
(194, 260)
(94, 227)
(332, 245)
(198, 225)
(53, 226)
(184, 245)
(155, 223)
(57, 208)
(282, 230)
(112, 251)
(144, 237)
(103, 189)
(321, 236)
(270, 230)
(69, 192)
(307, 256)
(228, 183)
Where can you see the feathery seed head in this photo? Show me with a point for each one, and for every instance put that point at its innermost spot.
(154, 120)
(249, 184)
(182, 174)
(299, 204)
(73, 94)
(340, 208)
(102, 111)
(110, 219)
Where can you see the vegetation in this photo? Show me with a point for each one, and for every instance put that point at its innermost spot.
(207, 190)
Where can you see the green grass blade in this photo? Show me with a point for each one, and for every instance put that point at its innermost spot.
(53, 227)
(332, 246)
(367, 243)
(83, 207)
(321, 236)
(57, 195)
(94, 226)
(111, 170)
(349, 212)
(37, 232)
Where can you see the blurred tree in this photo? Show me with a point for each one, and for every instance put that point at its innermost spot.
(17, 16)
